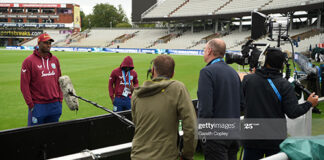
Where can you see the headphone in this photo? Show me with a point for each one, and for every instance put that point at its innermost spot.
(262, 59)
(149, 71)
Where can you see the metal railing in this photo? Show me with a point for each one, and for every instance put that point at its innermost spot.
(278, 156)
(98, 153)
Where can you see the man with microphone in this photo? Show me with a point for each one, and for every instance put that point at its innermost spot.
(122, 81)
(39, 84)
(157, 107)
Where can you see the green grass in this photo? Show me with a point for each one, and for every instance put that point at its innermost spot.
(89, 73)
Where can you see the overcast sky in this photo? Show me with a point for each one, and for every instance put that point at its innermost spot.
(85, 5)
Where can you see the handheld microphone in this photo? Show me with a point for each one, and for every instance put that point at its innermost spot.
(68, 90)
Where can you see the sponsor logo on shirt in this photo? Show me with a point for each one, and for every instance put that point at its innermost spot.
(48, 74)
(23, 70)
(53, 65)
(39, 66)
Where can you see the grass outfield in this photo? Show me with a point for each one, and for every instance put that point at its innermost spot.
(89, 73)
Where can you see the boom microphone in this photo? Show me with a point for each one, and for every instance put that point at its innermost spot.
(71, 99)
(68, 90)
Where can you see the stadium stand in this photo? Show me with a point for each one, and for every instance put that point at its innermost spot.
(184, 41)
(305, 44)
(142, 39)
(100, 37)
(305, 39)
(154, 38)
(55, 34)
(233, 39)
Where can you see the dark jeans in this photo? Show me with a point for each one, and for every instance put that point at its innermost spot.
(122, 104)
(255, 154)
(220, 149)
(44, 113)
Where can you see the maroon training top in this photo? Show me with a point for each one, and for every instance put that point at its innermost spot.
(39, 79)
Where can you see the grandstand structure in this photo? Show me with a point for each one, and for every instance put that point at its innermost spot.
(218, 16)
(189, 24)
(22, 22)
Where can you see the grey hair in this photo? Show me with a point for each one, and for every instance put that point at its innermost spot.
(217, 46)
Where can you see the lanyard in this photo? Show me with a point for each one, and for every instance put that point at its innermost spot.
(129, 81)
(217, 60)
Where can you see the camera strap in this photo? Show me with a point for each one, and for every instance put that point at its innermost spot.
(274, 89)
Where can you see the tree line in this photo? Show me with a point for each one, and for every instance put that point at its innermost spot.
(105, 15)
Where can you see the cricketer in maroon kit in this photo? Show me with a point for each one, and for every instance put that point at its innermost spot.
(122, 81)
(39, 84)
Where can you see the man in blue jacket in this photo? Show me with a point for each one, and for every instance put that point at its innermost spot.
(219, 96)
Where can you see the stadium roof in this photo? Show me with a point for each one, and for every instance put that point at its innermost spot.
(163, 11)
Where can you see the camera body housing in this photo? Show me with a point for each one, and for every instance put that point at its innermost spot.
(250, 54)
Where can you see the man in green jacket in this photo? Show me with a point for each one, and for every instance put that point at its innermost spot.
(157, 107)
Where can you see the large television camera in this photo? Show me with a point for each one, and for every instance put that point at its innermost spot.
(277, 27)
(252, 55)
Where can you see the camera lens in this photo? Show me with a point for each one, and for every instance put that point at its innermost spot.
(234, 58)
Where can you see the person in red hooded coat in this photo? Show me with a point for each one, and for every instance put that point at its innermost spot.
(122, 81)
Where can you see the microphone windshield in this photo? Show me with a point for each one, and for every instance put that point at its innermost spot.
(68, 90)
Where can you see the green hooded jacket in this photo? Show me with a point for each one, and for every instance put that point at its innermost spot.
(157, 107)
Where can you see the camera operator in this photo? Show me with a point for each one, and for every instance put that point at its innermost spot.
(269, 95)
